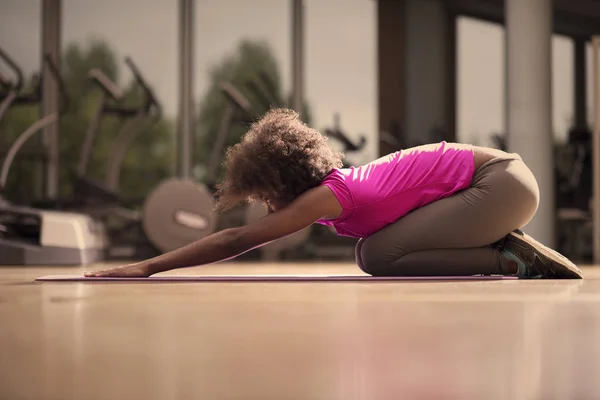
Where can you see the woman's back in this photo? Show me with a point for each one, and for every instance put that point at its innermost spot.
(379, 193)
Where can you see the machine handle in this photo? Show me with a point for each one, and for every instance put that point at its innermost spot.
(158, 111)
(106, 84)
(348, 144)
(264, 100)
(389, 139)
(38, 126)
(236, 97)
(151, 99)
(114, 91)
(64, 101)
(4, 81)
(271, 88)
(13, 65)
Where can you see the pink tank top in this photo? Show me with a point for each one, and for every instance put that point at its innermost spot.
(379, 193)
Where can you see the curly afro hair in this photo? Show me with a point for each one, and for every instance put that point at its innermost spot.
(278, 159)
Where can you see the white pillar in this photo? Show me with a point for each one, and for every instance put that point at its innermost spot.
(529, 102)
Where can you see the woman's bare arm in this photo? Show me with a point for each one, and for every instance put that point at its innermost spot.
(304, 211)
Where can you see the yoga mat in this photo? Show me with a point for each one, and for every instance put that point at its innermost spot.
(269, 278)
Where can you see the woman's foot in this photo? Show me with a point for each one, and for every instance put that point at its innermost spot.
(139, 270)
(536, 260)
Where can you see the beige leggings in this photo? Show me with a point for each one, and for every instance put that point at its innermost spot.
(455, 236)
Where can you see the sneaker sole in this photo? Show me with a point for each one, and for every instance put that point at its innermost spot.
(565, 269)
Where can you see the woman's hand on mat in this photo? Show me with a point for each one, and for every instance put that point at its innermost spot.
(138, 270)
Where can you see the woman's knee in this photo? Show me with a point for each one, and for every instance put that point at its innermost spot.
(372, 258)
(512, 192)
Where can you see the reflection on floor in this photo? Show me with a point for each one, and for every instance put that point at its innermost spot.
(326, 340)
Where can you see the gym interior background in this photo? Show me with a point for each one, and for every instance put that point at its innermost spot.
(411, 72)
(137, 100)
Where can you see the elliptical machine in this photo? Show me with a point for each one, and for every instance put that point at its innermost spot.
(176, 213)
(574, 197)
(265, 91)
(31, 236)
(101, 200)
(169, 214)
(12, 89)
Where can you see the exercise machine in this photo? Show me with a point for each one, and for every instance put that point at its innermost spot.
(131, 233)
(574, 189)
(238, 109)
(180, 211)
(313, 241)
(166, 223)
(574, 196)
(265, 91)
(177, 212)
(95, 199)
(12, 89)
(31, 236)
(102, 200)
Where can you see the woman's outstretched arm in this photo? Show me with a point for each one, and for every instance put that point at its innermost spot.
(229, 243)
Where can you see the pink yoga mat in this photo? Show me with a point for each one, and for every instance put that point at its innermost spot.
(269, 278)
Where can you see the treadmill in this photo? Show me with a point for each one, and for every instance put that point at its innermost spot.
(31, 236)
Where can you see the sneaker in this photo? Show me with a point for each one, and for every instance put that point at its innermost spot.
(536, 260)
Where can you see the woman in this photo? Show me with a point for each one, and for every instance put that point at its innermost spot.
(433, 210)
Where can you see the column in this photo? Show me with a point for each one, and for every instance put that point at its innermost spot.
(596, 147)
(51, 41)
(529, 102)
(430, 73)
(580, 74)
(391, 65)
(417, 71)
(185, 131)
(297, 55)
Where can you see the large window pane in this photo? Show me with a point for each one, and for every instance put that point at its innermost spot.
(100, 35)
(481, 82)
(246, 44)
(20, 38)
(341, 68)
(20, 33)
(562, 87)
(480, 75)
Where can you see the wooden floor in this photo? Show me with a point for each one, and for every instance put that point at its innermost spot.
(411, 340)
